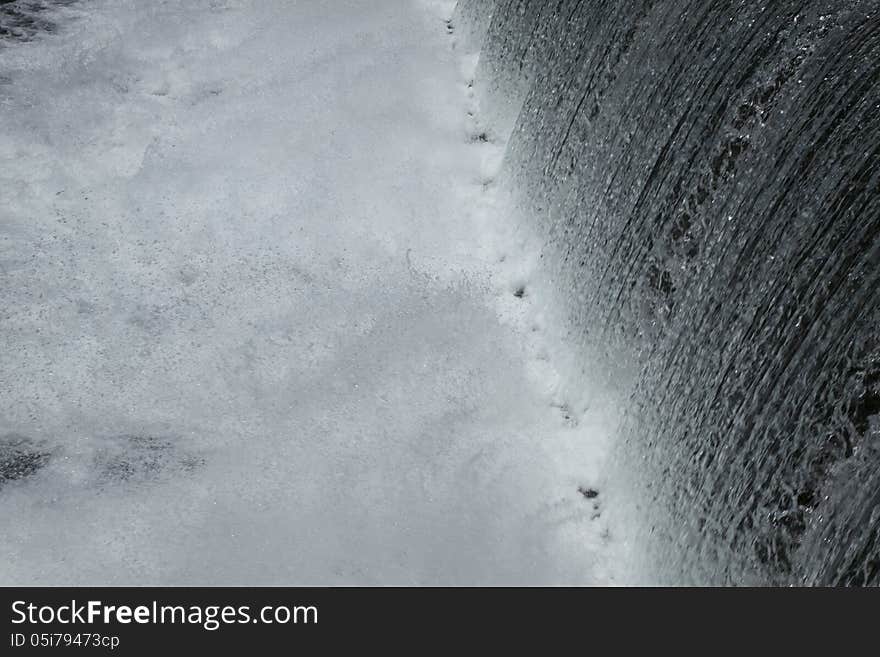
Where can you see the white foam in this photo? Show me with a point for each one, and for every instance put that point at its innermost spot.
(258, 304)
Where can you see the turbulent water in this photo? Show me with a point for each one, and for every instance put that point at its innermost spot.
(263, 322)
(260, 319)
(22, 20)
(707, 177)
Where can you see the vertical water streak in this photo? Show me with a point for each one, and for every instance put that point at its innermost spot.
(707, 177)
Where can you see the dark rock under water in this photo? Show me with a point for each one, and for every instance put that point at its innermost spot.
(707, 176)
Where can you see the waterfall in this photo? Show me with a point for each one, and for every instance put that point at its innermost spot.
(706, 177)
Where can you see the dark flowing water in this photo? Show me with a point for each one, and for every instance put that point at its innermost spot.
(22, 20)
(707, 176)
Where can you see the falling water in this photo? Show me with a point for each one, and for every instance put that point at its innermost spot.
(706, 175)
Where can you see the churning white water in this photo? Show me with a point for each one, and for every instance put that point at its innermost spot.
(264, 318)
